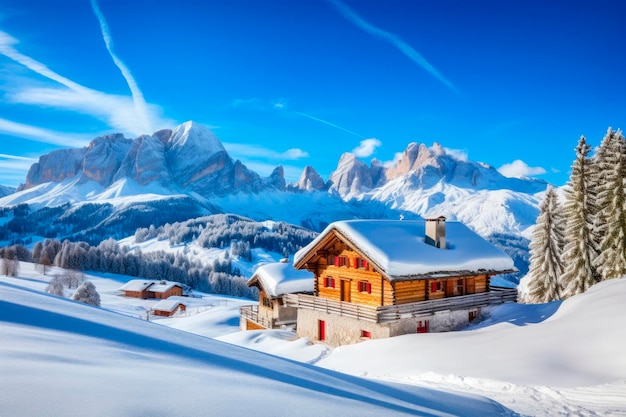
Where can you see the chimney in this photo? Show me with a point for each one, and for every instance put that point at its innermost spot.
(436, 232)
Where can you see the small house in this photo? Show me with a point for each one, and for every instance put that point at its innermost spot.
(166, 289)
(146, 288)
(383, 278)
(167, 308)
(274, 281)
(137, 288)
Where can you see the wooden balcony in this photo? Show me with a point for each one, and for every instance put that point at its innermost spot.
(251, 313)
(387, 314)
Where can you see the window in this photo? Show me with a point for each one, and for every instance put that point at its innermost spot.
(366, 334)
(329, 282)
(331, 259)
(360, 263)
(435, 286)
(460, 287)
(473, 315)
(365, 286)
(267, 302)
(341, 261)
(422, 326)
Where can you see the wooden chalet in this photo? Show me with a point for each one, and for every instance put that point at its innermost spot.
(137, 288)
(145, 288)
(166, 289)
(382, 278)
(274, 281)
(167, 308)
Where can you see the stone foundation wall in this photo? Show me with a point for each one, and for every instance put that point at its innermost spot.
(341, 330)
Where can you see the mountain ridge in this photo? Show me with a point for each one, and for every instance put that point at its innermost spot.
(190, 161)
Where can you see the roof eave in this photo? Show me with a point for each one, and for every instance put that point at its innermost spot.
(450, 274)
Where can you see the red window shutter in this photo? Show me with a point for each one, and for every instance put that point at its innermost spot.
(332, 282)
(433, 286)
(356, 262)
(336, 260)
(368, 287)
(321, 324)
(364, 264)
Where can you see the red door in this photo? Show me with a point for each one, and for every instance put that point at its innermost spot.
(422, 326)
(321, 330)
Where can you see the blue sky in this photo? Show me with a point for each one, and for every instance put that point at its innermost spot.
(300, 82)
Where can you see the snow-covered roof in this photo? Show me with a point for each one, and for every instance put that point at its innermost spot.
(153, 285)
(282, 278)
(136, 285)
(164, 286)
(167, 305)
(399, 250)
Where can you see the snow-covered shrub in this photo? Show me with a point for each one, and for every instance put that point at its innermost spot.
(87, 294)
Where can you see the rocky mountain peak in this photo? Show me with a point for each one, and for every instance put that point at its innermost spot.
(351, 177)
(310, 180)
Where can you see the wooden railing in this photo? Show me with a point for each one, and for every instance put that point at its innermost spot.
(310, 302)
(251, 313)
(387, 314)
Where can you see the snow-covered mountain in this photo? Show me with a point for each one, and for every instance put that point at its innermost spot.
(191, 161)
(189, 169)
(4, 190)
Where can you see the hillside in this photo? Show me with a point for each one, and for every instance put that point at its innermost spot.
(84, 360)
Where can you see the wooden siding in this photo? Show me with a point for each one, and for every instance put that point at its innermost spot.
(176, 290)
(136, 294)
(250, 325)
(383, 292)
(351, 277)
(409, 291)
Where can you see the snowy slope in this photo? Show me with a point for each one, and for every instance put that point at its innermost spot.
(556, 359)
(84, 360)
(561, 358)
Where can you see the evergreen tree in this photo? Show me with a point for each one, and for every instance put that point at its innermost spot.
(611, 259)
(545, 252)
(579, 251)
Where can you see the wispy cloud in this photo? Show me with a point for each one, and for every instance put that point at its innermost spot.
(264, 160)
(14, 168)
(243, 151)
(138, 100)
(7, 49)
(366, 148)
(119, 112)
(38, 134)
(393, 39)
(519, 168)
(17, 157)
(458, 154)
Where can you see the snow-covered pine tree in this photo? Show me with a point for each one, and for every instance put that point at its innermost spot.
(546, 268)
(611, 202)
(579, 251)
(601, 162)
(86, 293)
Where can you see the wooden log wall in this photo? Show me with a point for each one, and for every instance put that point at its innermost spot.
(409, 291)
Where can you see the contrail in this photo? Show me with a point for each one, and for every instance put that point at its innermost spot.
(138, 100)
(393, 39)
(16, 157)
(326, 122)
(7, 49)
(37, 134)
